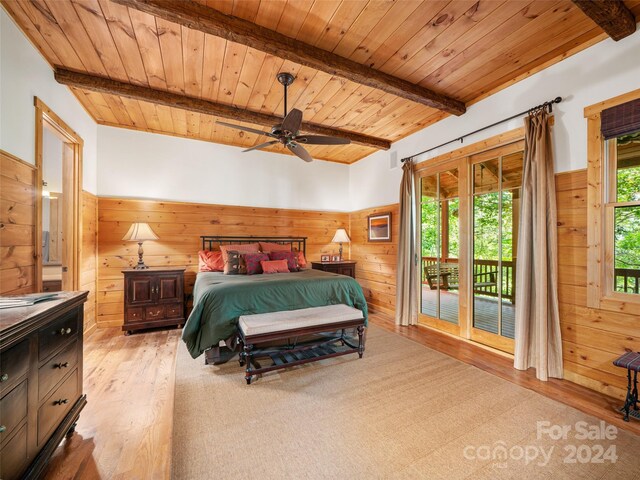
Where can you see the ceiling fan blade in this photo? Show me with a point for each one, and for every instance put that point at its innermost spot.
(322, 140)
(262, 145)
(246, 129)
(299, 151)
(292, 122)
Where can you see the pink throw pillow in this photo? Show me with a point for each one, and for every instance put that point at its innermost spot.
(274, 266)
(267, 247)
(209, 261)
(252, 262)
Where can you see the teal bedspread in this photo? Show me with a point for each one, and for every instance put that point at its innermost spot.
(220, 299)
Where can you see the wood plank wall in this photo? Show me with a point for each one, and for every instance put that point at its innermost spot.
(591, 338)
(17, 225)
(179, 226)
(89, 258)
(376, 267)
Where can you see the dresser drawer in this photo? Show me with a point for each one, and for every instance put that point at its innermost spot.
(13, 456)
(154, 313)
(56, 406)
(173, 310)
(53, 336)
(55, 369)
(13, 409)
(14, 363)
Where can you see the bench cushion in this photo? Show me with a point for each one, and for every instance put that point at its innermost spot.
(262, 323)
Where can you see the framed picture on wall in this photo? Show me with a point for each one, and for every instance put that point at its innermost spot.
(325, 258)
(379, 227)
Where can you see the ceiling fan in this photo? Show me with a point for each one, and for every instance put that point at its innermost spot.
(287, 133)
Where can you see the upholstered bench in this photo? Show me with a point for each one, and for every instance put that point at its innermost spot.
(288, 330)
(630, 361)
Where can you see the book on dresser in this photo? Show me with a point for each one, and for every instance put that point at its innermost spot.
(41, 393)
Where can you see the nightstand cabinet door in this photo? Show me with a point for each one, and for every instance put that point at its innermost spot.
(153, 298)
(140, 290)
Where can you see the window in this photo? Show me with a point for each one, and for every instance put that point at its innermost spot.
(613, 212)
(623, 206)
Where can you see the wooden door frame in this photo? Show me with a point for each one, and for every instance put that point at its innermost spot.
(69, 136)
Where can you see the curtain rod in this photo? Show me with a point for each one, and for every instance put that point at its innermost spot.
(548, 105)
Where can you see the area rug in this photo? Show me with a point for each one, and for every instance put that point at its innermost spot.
(402, 411)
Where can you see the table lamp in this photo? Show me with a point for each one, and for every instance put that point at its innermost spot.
(139, 232)
(340, 237)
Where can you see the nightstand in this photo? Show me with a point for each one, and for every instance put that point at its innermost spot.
(345, 267)
(153, 298)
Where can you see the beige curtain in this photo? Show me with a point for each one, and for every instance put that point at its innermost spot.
(407, 285)
(537, 342)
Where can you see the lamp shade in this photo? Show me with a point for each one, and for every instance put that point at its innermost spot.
(140, 232)
(341, 236)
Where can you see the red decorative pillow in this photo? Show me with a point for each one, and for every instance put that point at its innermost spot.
(274, 266)
(209, 261)
(242, 248)
(302, 262)
(252, 261)
(268, 247)
(290, 257)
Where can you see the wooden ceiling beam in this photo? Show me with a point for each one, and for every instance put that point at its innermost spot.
(100, 84)
(611, 15)
(208, 20)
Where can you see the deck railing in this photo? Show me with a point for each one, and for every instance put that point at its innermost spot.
(627, 280)
(485, 276)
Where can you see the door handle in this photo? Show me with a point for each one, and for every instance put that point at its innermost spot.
(65, 269)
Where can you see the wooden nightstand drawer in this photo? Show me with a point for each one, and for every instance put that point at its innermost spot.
(173, 311)
(52, 337)
(13, 409)
(135, 314)
(57, 405)
(14, 363)
(13, 456)
(154, 313)
(55, 369)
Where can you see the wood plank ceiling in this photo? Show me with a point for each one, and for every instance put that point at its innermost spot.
(466, 49)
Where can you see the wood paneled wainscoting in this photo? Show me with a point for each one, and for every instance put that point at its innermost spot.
(179, 226)
(17, 225)
(89, 258)
(376, 270)
(591, 338)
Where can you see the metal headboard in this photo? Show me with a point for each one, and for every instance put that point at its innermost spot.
(209, 241)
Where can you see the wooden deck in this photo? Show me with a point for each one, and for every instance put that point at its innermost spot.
(485, 310)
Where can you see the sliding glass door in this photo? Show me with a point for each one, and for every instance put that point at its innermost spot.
(469, 215)
(441, 242)
(497, 182)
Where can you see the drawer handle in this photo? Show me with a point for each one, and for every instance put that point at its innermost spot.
(4, 377)
(61, 365)
(3, 429)
(154, 314)
(61, 401)
(65, 331)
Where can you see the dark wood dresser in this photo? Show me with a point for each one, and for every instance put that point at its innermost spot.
(153, 298)
(40, 381)
(345, 267)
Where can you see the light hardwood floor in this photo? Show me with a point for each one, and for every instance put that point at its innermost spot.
(125, 430)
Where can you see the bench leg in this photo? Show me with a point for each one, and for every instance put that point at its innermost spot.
(360, 341)
(629, 400)
(634, 395)
(241, 358)
(247, 359)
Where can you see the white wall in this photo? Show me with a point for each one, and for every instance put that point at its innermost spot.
(598, 73)
(51, 161)
(147, 165)
(23, 75)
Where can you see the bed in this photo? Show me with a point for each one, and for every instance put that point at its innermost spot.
(219, 299)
